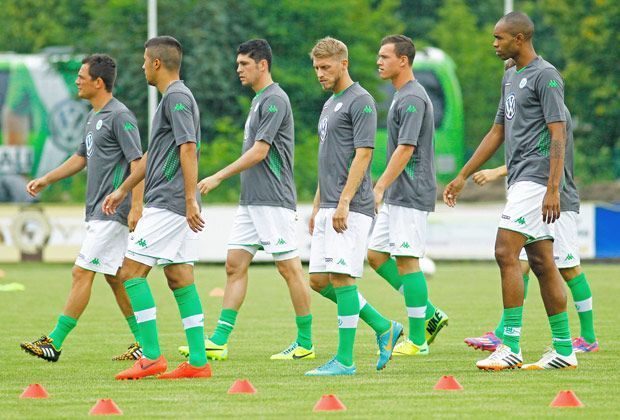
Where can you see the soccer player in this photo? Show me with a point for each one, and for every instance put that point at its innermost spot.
(167, 234)
(409, 187)
(531, 118)
(344, 206)
(266, 216)
(109, 149)
(566, 255)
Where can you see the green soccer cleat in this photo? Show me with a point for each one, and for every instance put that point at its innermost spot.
(386, 343)
(214, 351)
(294, 352)
(332, 368)
(42, 348)
(435, 324)
(408, 348)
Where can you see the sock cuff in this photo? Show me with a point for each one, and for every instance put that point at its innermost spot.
(415, 276)
(345, 289)
(130, 318)
(228, 315)
(326, 290)
(388, 268)
(184, 291)
(557, 318)
(576, 281)
(67, 320)
(303, 319)
(526, 277)
(511, 312)
(134, 282)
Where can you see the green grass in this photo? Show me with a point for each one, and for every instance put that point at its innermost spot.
(469, 293)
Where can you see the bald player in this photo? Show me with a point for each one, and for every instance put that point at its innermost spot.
(531, 121)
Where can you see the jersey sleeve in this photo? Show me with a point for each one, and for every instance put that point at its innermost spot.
(499, 116)
(550, 90)
(126, 133)
(181, 112)
(411, 111)
(272, 113)
(364, 121)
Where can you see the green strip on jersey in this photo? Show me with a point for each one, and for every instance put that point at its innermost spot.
(410, 168)
(275, 162)
(544, 143)
(171, 165)
(118, 176)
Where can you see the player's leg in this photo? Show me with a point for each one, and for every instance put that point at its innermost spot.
(49, 347)
(134, 351)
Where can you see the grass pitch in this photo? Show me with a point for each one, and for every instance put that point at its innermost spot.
(469, 293)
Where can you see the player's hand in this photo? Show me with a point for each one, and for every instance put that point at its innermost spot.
(311, 221)
(339, 219)
(135, 213)
(452, 191)
(551, 206)
(192, 213)
(35, 186)
(378, 198)
(112, 201)
(486, 175)
(208, 184)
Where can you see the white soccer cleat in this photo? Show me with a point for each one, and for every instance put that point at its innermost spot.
(552, 360)
(502, 358)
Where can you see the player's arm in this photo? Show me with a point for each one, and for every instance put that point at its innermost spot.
(68, 168)
(189, 167)
(490, 175)
(316, 204)
(137, 198)
(487, 148)
(359, 165)
(136, 176)
(396, 165)
(551, 201)
(257, 153)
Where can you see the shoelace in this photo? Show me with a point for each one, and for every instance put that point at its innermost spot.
(499, 355)
(290, 348)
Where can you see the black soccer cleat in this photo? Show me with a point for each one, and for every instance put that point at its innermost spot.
(42, 348)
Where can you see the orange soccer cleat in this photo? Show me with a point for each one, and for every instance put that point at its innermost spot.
(185, 370)
(144, 367)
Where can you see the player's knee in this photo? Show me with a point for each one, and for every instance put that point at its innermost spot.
(540, 263)
(376, 259)
(316, 284)
(504, 255)
(80, 275)
(234, 269)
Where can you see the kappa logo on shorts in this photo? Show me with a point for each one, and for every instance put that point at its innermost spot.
(95, 261)
(405, 245)
(569, 257)
(281, 241)
(141, 242)
(341, 261)
(520, 220)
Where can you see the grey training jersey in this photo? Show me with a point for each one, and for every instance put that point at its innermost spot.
(111, 141)
(569, 196)
(410, 121)
(348, 121)
(176, 122)
(270, 182)
(531, 98)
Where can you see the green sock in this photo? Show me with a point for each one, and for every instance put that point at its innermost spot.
(389, 271)
(372, 317)
(133, 326)
(416, 295)
(560, 333)
(193, 321)
(513, 318)
(225, 325)
(63, 327)
(348, 315)
(499, 330)
(304, 331)
(145, 312)
(430, 310)
(582, 296)
(329, 292)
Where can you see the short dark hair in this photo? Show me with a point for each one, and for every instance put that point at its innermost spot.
(102, 66)
(403, 45)
(257, 50)
(167, 49)
(519, 22)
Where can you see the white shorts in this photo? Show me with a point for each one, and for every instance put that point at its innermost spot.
(565, 246)
(162, 238)
(342, 253)
(523, 212)
(103, 247)
(399, 231)
(265, 227)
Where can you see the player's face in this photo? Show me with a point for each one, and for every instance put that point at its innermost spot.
(247, 69)
(149, 69)
(505, 43)
(388, 63)
(329, 71)
(87, 87)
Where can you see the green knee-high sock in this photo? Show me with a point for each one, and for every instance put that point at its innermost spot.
(304, 331)
(499, 330)
(560, 333)
(368, 313)
(416, 295)
(513, 319)
(194, 323)
(133, 326)
(145, 312)
(225, 325)
(389, 271)
(63, 327)
(582, 296)
(348, 315)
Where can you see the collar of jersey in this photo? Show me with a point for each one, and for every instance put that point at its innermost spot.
(262, 90)
(344, 90)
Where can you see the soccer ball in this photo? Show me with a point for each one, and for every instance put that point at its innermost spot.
(427, 266)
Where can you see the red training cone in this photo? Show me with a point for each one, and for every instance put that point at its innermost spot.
(329, 402)
(34, 391)
(242, 386)
(448, 383)
(217, 292)
(566, 399)
(104, 407)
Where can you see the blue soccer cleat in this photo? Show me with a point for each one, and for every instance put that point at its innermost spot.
(332, 368)
(386, 343)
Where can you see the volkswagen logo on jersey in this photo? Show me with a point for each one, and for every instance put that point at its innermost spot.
(89, 144)
(511, 106)
(323, 129)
